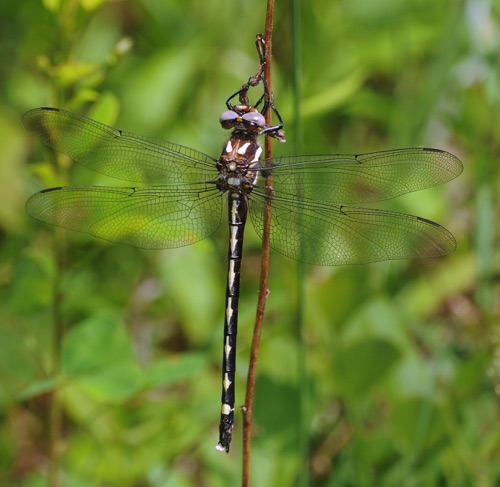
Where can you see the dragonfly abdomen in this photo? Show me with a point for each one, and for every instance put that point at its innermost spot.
(238, 210)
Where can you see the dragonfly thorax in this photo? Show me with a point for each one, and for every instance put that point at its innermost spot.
(238, 161)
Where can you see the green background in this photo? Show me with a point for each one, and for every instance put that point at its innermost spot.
(110, 355)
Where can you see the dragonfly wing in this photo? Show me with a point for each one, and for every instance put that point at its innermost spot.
(336, 235)
(362, 178)
(146, 217)
(116, 153)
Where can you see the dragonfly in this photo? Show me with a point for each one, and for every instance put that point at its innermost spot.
(174, 196)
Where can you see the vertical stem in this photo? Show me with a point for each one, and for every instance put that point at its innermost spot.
(303, 385)
(58, 327)
(264, 267)
(55, 412)
(66, 15)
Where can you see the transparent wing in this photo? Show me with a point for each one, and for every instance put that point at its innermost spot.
(116, 153)
(147, 217)
(362, 178)
(327, 234)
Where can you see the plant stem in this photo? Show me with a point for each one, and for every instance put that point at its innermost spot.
(264, 267)
(55, 412)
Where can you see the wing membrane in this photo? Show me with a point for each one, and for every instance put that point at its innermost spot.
(147, 217)
(337, 235)
(362, 178)
(116, 153)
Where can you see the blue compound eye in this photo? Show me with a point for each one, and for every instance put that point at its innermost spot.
(228, 119)
(255, 119)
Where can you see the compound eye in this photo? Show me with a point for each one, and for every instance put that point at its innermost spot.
(228, 119)
(255, 119)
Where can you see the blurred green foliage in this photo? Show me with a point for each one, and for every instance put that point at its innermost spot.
(110, 355)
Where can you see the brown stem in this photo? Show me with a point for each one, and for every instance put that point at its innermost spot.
(264, 267)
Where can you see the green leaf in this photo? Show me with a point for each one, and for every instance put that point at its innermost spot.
(90, 5)
(97, 356)
(174, 369)
(417, 422)
(114, 383)
(37, 388)
(106, 108)
(73, 71)
(96, 343)
(52, 5)
(333, 96)
(360, 366)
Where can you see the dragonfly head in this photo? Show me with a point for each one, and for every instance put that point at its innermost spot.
(244, 118)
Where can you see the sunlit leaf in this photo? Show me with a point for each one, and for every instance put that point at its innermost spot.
(98, 342)
(73, 71)
(169, 371)
(90, 5)
(113, 383)
(52, 5)
(40, 387)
